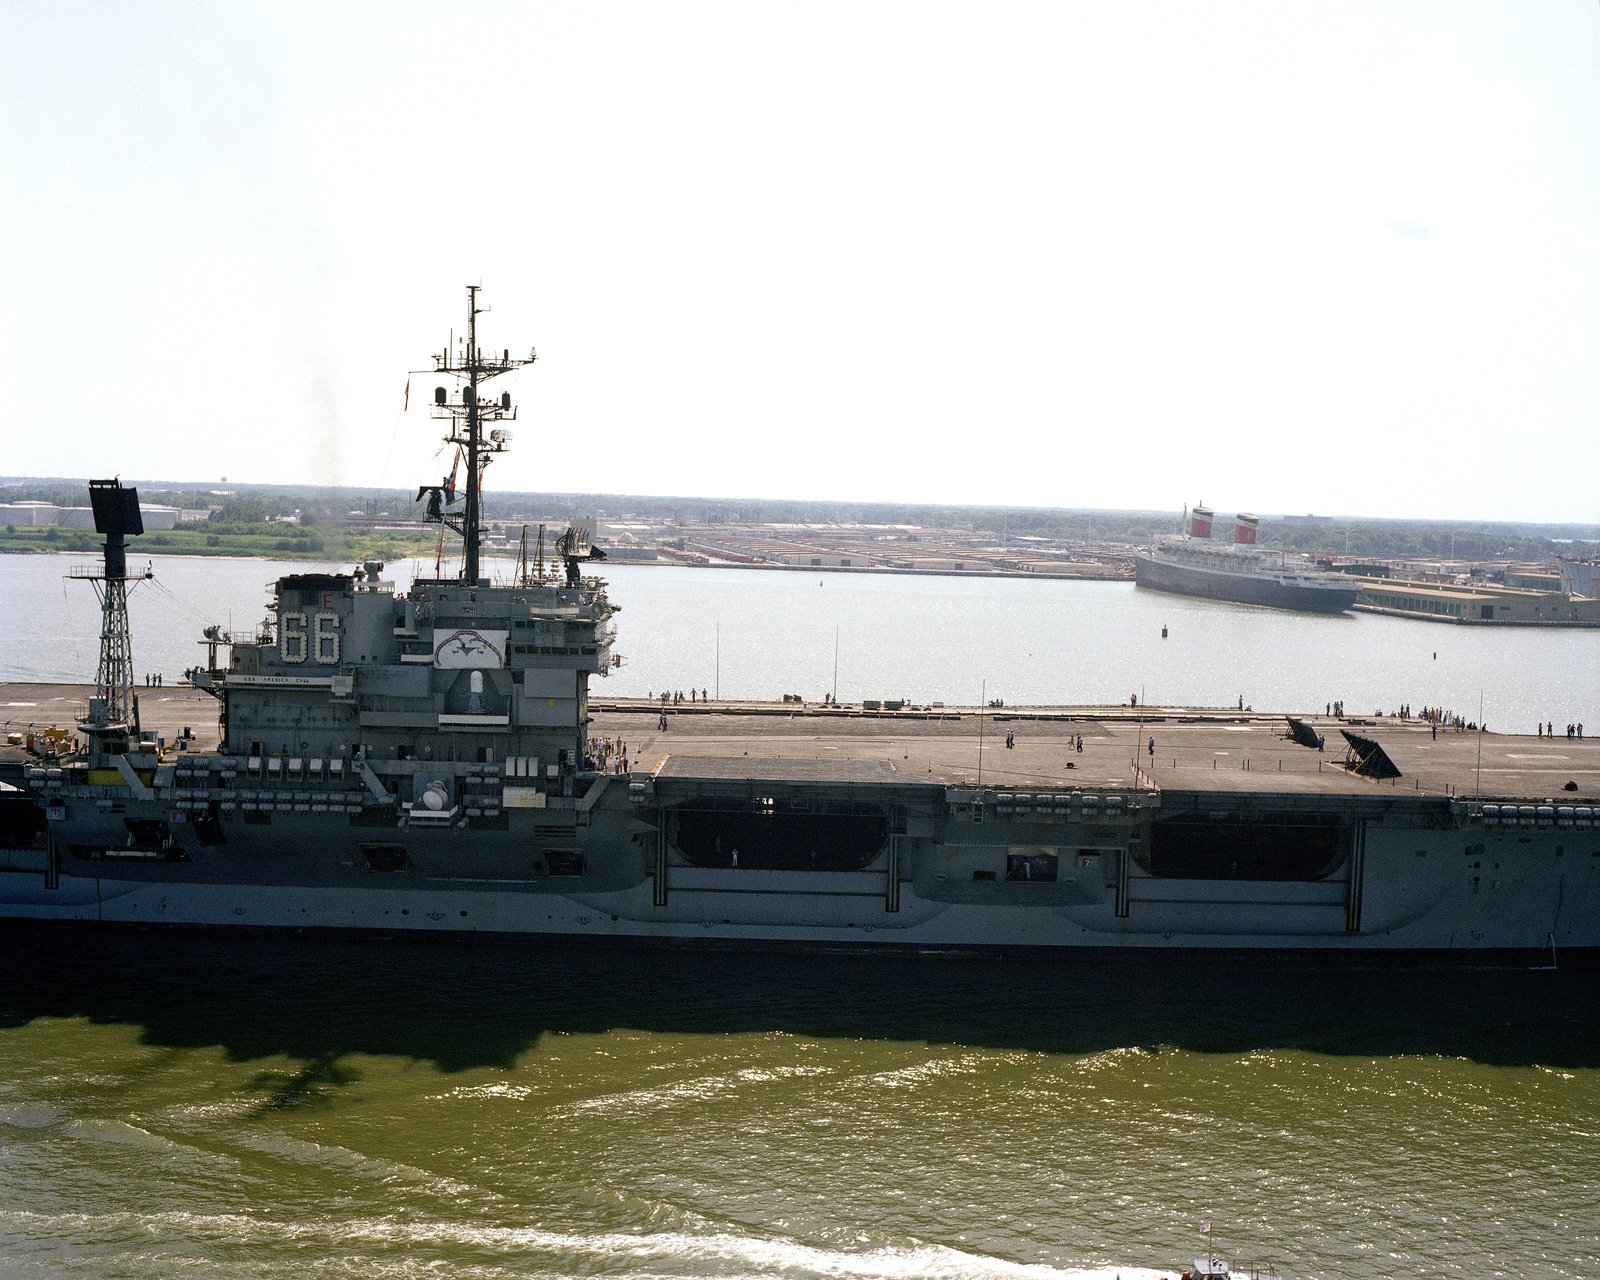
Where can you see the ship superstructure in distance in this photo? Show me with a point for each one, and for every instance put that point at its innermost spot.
(431, 761)
(1194, 564)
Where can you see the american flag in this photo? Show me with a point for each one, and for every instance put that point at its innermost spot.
(450, 480)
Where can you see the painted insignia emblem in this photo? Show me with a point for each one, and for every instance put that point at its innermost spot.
(470, 648)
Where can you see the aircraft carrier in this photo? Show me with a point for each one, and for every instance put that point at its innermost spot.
(776, 825)
(432, 761)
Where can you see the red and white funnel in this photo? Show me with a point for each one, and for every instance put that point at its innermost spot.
(1244, 530)
(1200, 522)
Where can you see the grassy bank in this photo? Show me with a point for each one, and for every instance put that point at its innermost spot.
(279, 543)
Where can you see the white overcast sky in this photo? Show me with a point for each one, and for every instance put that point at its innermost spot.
(1274, 255)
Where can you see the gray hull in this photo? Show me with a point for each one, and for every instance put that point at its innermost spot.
(1242, 587)
(1358, 878)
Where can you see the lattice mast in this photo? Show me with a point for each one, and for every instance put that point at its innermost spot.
(113, 711)
(468, 415)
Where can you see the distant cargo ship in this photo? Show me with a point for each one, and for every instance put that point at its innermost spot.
(1193, 565)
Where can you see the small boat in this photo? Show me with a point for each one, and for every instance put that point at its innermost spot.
(1212, 1267)
(1208, 1269)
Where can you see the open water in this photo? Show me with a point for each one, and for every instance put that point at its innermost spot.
(286, 1107)
(760, 634)
(205, 1105)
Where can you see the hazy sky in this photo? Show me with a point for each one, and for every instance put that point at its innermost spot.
(1331, 257)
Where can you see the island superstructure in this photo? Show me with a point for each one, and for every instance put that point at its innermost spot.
(432, 761)
(351, 678)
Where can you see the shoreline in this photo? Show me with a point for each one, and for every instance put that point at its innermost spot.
(495, 553)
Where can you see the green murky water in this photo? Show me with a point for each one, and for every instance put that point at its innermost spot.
(193, 1104)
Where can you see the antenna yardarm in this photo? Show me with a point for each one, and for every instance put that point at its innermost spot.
(469, 415)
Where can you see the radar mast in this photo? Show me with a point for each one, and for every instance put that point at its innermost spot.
(113, 711)
(468, 412)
